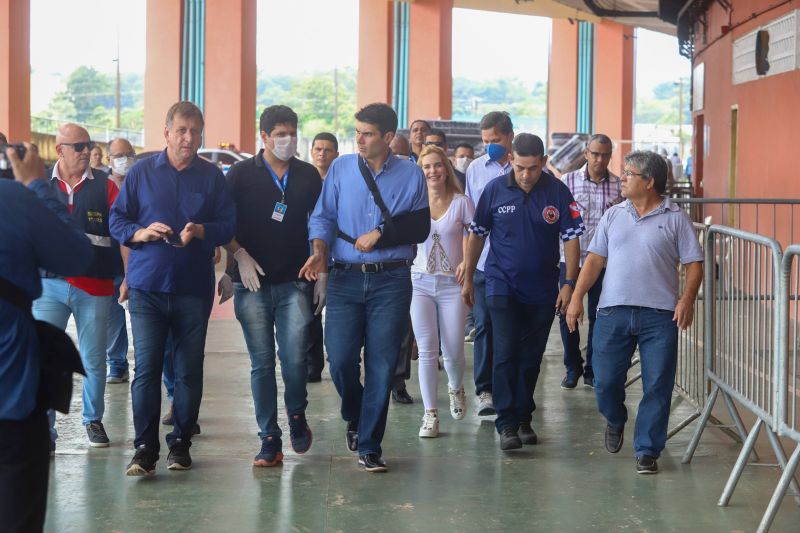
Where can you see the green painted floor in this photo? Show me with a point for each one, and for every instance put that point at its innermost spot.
(459, 482)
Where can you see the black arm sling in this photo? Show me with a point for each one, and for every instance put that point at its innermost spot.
(412, 227)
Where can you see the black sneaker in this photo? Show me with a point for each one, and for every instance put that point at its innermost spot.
(372, 462)
(402, 396)
(614, 438)
(646, 464)
(509, 440)
(179, 458)
(196, 430)
(314, 378)
(167, 418)
(588, 380)
(527, 435)
(143, 462)
(351, 436)
(271, 452)
(97, 435)
(299, 433)
(570, 381)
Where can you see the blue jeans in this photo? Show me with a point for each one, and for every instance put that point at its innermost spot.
(117, 341)
(58, 301)
(572, 341)
(619, 329)
(282, 310)
(482, 347)
(168, 374)
(369, 310)
(154, 316)
(520, 337)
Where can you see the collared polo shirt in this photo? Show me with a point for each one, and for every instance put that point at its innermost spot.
(93, 286)
(593, 199)
(526, 229)
(347, 205)
(280, 248)
(479, 173)
(154, 191)
(643, 254)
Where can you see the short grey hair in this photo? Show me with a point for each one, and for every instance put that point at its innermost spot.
(185, 109)
(651, 166)
(602, 138)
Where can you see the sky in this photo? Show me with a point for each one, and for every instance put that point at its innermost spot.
(329, 37)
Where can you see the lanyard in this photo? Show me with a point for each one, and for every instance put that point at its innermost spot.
(280, 183)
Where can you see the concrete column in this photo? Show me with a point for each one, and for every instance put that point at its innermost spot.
(614, 79)
(562, 90)
(162, 72)
(15, 69)
(230, 73)
(375, 49)
(430, 72)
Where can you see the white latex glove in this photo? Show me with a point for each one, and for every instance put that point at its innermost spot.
(225, 288)
(320, 292)
(248, 270)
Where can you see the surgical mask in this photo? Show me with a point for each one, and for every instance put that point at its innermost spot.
(496, 151)
(462, 163)
(121, 165)
(401, 156)
(285, 147)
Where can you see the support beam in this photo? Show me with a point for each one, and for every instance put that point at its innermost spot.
(375, 48)
(430, 84)
(562, 91)
(230, 73)
(15, 69)
(162, 73)
(614, 78)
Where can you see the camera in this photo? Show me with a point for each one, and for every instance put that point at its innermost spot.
(5, 165)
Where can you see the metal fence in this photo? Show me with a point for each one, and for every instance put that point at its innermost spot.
(745, 300)
(96, 133)
(774, 217)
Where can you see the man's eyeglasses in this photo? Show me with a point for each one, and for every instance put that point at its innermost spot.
(627, 173)
(81, 146)
(434, 143)
(600, 155)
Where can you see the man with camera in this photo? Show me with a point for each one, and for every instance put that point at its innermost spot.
(35, 232)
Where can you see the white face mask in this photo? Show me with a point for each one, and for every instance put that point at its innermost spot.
(400, 156)
(121, 165)
(285, 147)
(462, 163)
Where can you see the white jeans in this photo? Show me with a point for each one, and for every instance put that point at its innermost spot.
(436, 301)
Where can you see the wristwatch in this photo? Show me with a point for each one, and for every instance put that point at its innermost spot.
(570, 282)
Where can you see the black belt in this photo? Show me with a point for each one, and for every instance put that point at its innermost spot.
(372, 268)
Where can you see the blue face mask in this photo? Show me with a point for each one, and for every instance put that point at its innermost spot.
(496, 151)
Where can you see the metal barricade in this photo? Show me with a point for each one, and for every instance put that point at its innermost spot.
(787, 394)
(741, 289)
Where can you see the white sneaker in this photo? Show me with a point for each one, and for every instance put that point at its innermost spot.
(430, 424)
(485, 405)
(458, 403)
(470, 336)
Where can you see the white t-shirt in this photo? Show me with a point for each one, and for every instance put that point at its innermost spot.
(443, 250)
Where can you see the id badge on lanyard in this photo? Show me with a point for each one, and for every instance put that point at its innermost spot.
(279, 211)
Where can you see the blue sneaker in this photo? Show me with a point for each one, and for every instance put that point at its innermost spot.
(300, 434)
(270, 454)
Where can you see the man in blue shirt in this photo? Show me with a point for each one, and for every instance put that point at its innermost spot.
(497, 132)
(527, 212)
(641, 242)
(369, 288)
(172, 211)
(35, 232)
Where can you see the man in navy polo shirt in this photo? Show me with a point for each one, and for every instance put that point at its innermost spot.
(527, 212)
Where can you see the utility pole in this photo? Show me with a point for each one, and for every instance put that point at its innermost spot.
(336, 101)
(680, 117)
(118, 84)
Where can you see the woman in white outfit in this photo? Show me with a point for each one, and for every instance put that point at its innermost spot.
(437, 275)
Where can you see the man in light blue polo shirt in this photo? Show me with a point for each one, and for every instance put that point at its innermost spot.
(528, 213)
(497, 132)
(642, 241)
(369, 286)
